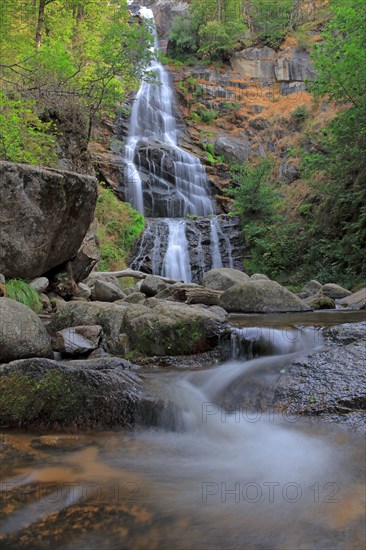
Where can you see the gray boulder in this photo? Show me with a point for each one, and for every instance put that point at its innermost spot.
(22, 333)
(319, 301)
(294, 67)
(44, 216)
(233, 149)
(106, 291)
(40, 284)
(173, 328)
(357, 300)
(152, 285)
(77, 340)
(223, 278)
(86, 257)
(311, 288)
(169, 328)
(259, 277)
(135, 298)
(83, 291)
(109, 316)
(96, 393)
(260, 297)
(335, 291)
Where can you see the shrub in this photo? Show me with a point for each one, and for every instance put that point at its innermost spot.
(182, 37)
(300, 113)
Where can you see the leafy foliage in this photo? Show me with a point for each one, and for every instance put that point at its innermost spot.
(61, 57)
(271, 20)
(336, 165)
(19, 290)
(23, 135)
(216, 28)
(118, 227)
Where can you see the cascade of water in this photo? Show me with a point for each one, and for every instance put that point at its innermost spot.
(215, 245)
(164, 180)
(176, 262)
(152, 120)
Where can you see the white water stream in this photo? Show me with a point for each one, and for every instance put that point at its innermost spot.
(153, 121)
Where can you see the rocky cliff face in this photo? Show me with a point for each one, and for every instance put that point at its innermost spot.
(44, 216)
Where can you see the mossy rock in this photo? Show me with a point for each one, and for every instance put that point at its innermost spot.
(99, 393)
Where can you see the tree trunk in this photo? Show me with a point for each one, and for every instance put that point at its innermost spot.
(130, 273)
(40, 21)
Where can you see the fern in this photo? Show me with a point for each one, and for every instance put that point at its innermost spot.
(20, 291)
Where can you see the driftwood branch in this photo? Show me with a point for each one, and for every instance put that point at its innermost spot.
(131, 273)
(197, 295)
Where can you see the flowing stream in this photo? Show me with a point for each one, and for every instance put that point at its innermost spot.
(212, 474)
(173, 180)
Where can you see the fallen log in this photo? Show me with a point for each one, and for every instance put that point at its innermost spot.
(197, 295)
(131, 273)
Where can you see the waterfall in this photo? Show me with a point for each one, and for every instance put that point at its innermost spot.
(176, 262)
(163, 180)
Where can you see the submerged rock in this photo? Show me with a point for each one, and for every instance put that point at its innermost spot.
(260, 296)
(328, 384)
(22, 333)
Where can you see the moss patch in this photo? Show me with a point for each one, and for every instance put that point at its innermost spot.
(48, 399)
(179, 339)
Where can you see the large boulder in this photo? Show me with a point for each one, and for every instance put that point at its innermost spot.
(319, 301)
(109, 316)
(223, 278)
(106, 291)
(44, 216)
(172, 328)
(97, 393)
(294, 65)
(260, 297)
(357, 300)
(335, 292)
(311, 288)
(265, 64)
(22, 333)
(167, 328)
(152, 285)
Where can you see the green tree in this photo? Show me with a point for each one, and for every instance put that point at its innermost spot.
(271, 20)
(336, 164)
(71, 56)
